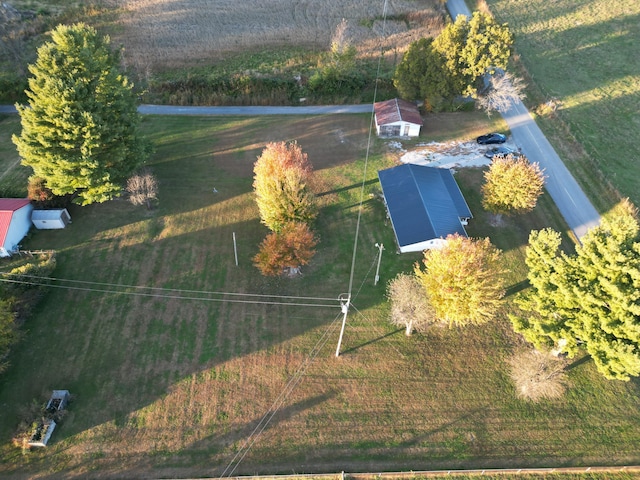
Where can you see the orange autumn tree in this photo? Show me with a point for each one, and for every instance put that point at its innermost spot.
(287, 207)
(286, 251)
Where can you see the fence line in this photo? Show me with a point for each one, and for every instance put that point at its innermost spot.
(433, 473)
(492, 471)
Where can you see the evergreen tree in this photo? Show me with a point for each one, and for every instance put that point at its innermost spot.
(79, 130)
(463, 280)
(591, 298)
(471, 48)
(421, 76)
(544, 325)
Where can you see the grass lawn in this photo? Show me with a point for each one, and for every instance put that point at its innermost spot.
(584, 55)
(173, 386)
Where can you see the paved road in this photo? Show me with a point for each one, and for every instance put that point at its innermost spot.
(172, 110)
(308, 110)
(571, 201)
(8, 109)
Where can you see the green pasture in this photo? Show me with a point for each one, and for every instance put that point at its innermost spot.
(584, 56)
(169, 381)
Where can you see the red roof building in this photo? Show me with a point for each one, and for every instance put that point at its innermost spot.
(15, 221)
(397, 118)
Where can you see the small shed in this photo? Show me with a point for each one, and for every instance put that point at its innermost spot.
(397, 118)
(50, 219)
(15, 222)
(425, 205)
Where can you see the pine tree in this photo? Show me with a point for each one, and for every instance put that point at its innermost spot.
(543, 325)
(463, 280)
(590, 299)
(79, 130)
(421, 76)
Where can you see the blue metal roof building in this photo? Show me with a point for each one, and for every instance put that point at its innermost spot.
(425, 205)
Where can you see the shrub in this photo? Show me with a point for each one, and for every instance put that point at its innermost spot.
(538, 375)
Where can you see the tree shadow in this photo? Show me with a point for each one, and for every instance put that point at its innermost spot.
(517, 288)
(578, 362)
(348, 187)
(371, 342)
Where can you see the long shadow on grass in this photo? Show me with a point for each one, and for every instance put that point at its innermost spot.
(249, 435)
(517, 288)
(119, 353)
(371, 342)
(349, 187)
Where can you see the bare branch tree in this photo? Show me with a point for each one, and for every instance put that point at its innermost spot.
(340, 41)
(502, 91)
(538, 375)
(409, 304)
(143, 188)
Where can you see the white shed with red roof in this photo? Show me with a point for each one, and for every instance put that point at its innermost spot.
(397, 118)
(15, 221)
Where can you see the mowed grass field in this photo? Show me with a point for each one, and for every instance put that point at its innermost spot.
(170, 381)
(584, 55)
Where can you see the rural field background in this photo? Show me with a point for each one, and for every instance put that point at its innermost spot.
(170, 386)
(162, 35)
(175, 387)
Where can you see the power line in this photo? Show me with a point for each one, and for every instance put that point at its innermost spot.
(345, 306)
(293, 382)
(366, 158)
(168, 296)
(279, 401)
(121, 285)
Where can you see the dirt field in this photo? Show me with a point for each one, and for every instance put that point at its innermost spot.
(159, 34)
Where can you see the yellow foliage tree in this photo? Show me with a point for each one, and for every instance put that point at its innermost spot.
(512, 185)
(463, 280)
(281, 177)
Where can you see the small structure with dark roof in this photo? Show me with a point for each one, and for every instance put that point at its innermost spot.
(15, 221)
(425, 205)
(397, 118)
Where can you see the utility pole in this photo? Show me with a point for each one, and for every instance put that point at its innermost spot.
(344, 305)
(380, 247)
(235, 248)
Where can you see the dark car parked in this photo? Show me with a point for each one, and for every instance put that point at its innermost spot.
(490, 138)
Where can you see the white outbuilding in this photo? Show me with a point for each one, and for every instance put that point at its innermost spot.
(50, 219)
(15, 222)
(397, 118)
